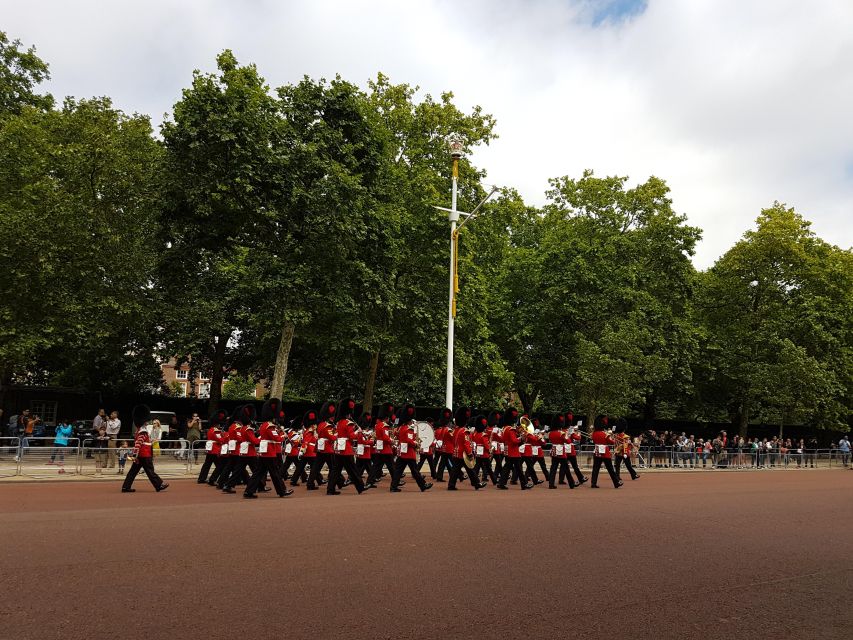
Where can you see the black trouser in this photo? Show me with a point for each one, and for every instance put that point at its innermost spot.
(364, 465)
(219, 467)
(344, 463)
(456, 473)
(209, 460)
(429, 459)
(443, 463)
(628, 465)
(530, 474)
(542, 466)
(511, 465)
(146, 464)
(563, 465)
(573, 461)
(264, 466)
(317, 466)
(228, 467)
(399, 466)
(238, 472)
(596, 465)
(484, 466)
(499, 462)
(382, 460)
(299, 472)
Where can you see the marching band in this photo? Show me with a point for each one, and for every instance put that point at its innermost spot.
(502, 448)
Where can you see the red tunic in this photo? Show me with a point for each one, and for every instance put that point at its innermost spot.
(234, 439)
(270, 435)
(448, 441)
(142, 445)
(249, 443)
(364, 444)
(496, 438)
(557, 439)
(601, 441)
(346, 434)
(215, 436)
(406, 436)
(309, 444)
(325, 439)
(572, 443)
(481, 444)
(512, 441)
(535, 442)
(383, 438)
(461, 444)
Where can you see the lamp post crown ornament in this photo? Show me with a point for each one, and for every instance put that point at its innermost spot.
(456, 145)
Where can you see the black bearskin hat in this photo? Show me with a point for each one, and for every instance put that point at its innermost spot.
(570, 418)
(480, 423)
(269, 411)
(463, 415)
(248, 413)
(140, 415)
(495, 418)
(510, 417)
(621, 425)
(408, 414)
(346, 409)
(327, 411)
(444, 417)
(558, 421)
(600, 423)
(366, 421)
(310, 418)
(386, 410)
(218, 418)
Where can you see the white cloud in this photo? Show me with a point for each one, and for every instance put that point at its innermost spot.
(734, 102)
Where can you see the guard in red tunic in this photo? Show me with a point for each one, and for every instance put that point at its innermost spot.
(427, 453)
(364, 447)
(482, 451)
(625, 455)
(444, 443)
(573, 441)
(601, 454)
(383, 454)
(406, 436)
(269, 447)
(345, 435)
(495, 433)
(462, 447)
(513, 440)
(539, 447)
(142, 454)
(558, 437)
(325, 444)
(307, 449)
(231, 448)
(290, 451)
(213, 448)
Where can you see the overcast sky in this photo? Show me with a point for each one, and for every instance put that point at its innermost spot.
(735, 103)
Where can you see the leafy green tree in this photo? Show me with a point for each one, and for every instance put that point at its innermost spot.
(20, 72)
(239, 388)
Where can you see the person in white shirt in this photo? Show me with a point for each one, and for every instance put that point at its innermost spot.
(113, 429)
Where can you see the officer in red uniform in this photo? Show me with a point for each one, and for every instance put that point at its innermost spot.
(406, 436)
(558, 438)
(427, 454)
(601, 455)
(345, 435)
(496, 442)
(325, 444)
(444, 443)
(512, 461)
(625, 456)
(461, 447)
(142, 454)
(482, 451)
(269, 449)
(364, 447)
(538, 443)
(213, 448)
(383, 454)
(231, 448)
(290, 451)
(573, 440)
(307, 449)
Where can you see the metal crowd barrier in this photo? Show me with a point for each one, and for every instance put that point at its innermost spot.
(9, 456)
(96, 460)
(41, 458)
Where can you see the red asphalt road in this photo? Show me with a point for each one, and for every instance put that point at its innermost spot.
(693, 555)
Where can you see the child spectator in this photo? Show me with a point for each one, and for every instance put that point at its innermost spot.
(123, 452)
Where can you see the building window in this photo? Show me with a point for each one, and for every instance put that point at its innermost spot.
(204, 390)
(181, 374)
(46, 410)
(183, 389)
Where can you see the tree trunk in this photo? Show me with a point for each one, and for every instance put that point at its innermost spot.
(589, 427)
(216, 374)
(781, 423)
(744, 420)
(281, 359)
(528, 399)
(369, 386)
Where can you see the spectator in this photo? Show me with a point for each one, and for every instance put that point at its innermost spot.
(123, 452)
(811, 452)
(100, 419)
(717, 451)
(801, 449)
(156, 432)
(102, 449)
(60, 444)
(844, 449)
(29, 422)
(113, 427)
(194, 432)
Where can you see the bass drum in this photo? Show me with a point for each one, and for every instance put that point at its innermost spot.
(425, 433)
